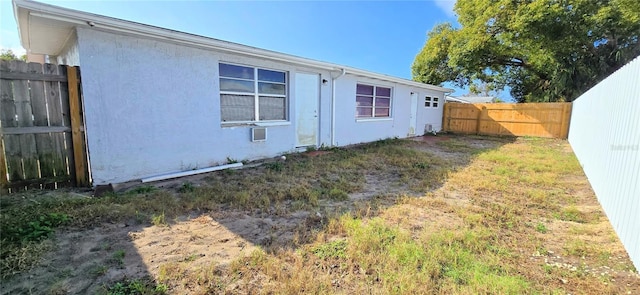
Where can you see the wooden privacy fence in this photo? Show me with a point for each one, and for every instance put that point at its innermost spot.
(42, 141)
(523, 119)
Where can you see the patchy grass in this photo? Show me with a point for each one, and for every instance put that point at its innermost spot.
(302, 179)
(135, 286)
(459, 215)
(375, 257)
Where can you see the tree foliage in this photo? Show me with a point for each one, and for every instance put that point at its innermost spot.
(7, 54)
(544, 50)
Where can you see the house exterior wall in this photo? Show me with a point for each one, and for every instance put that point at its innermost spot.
(350, 130)
(605, 136)
(432, 116)
(153, 107)
(69, 54)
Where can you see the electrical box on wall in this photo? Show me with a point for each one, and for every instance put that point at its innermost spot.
(258, 134)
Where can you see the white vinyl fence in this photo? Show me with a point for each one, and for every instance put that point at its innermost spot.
(605, 136)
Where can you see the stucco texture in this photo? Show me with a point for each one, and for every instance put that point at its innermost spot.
(153, 107)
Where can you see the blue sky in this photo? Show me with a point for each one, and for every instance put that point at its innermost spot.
(380, 36)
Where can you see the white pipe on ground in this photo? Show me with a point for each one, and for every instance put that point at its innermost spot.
(190, 172)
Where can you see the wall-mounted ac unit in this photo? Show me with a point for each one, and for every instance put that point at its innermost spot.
(258, 134)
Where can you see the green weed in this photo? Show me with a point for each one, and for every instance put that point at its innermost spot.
(541, 228)
(144, 189)
(118, 257)
(186, 187)
(99, 270)
(338, 194)
(35, 230)
(136, 286)
(275, 166)
(335, 249)
(571, 213)
(159, 219)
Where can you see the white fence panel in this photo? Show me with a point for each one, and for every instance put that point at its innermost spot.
(605, 136)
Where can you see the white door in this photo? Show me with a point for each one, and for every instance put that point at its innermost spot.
(307, 94)
(413, 117)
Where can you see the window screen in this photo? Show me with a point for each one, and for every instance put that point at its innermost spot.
(249, 94)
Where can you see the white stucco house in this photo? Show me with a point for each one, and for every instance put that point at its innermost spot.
(159, 101)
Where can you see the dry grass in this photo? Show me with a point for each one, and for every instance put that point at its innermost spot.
(460, 215)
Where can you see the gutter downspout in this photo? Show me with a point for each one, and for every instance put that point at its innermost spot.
(333, 106)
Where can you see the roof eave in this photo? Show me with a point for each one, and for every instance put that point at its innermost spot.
(104, 23)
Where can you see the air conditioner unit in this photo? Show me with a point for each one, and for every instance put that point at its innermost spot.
(258, 134)
(428, 128)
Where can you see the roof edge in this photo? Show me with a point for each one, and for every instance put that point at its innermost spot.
(110, 24)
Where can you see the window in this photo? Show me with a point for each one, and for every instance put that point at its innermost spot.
(250, 94)
(373, 101)
(431, 102)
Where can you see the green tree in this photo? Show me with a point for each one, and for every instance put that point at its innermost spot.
(7, 54)
(544, 50)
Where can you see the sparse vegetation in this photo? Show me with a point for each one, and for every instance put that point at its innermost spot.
(186, 187)
(118, 257)
(460, 216)
(275, 166)
(134, 287)
(571, 213)
(541, 228)
(143, 189)
(37, 229)
(159, 219)
(99, 270)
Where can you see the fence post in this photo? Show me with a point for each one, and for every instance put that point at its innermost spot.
(480, 110)
(445, 114)
(77, 134)
(566, 118)
(3, 165)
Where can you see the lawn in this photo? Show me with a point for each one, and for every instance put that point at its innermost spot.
(434, 215)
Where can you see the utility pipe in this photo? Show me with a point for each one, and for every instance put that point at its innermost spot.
(333, 106)
(190, 172)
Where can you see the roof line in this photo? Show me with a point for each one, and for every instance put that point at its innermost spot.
(105, 23)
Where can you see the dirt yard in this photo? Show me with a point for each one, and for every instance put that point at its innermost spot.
(519, 210)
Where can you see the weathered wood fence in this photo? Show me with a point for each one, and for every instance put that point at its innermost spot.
(42, 142)
(524, 119)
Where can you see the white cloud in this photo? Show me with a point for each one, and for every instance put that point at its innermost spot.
(446, 6)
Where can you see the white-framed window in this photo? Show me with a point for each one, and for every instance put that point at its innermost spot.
(373, 101)
(250, 94)
(431, 102)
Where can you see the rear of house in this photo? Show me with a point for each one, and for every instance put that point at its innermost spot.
(159, 101)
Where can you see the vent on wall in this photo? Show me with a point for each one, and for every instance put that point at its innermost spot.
(258, 134)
